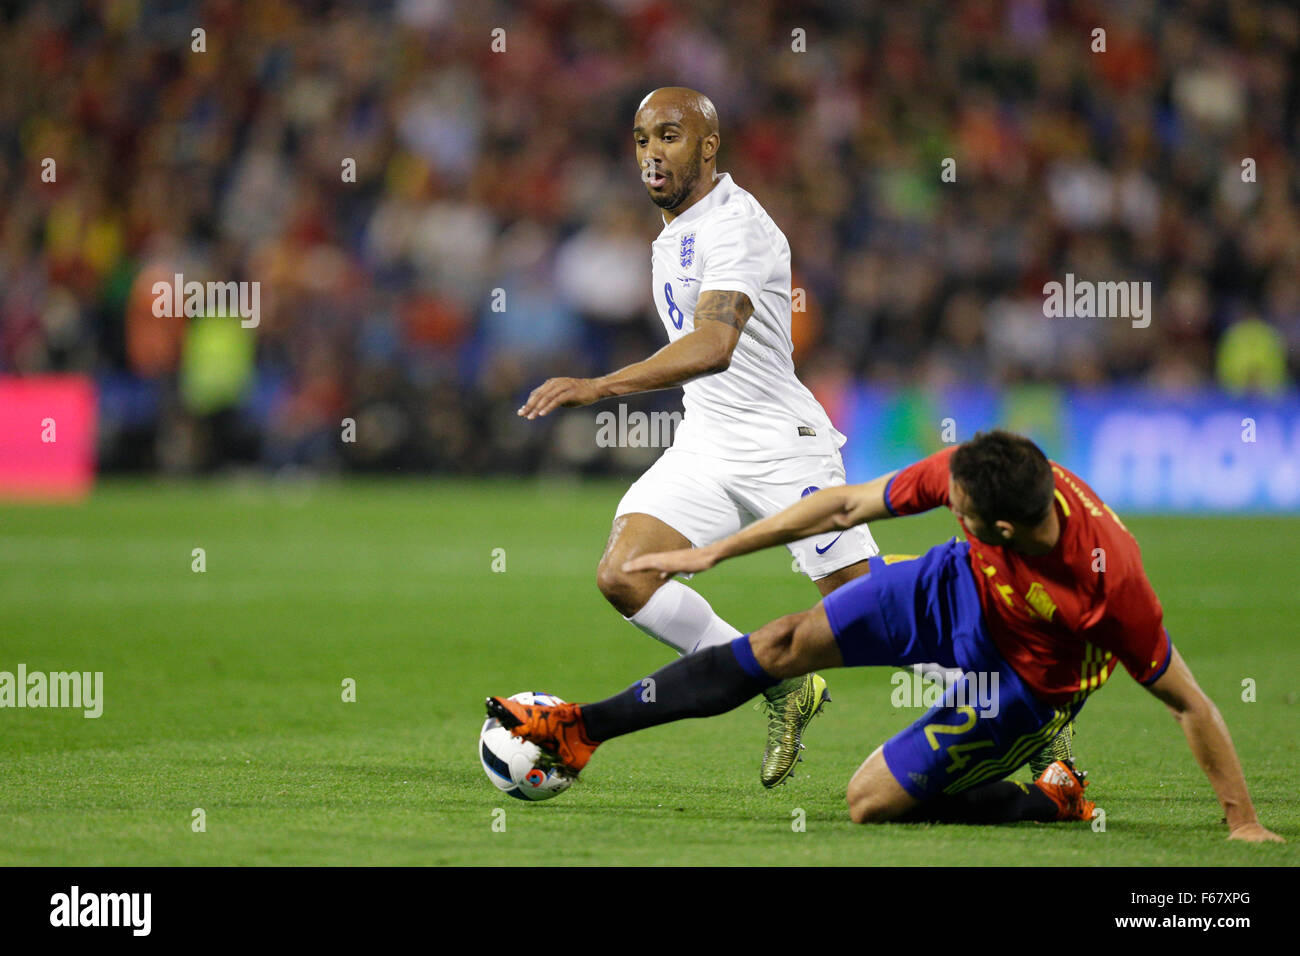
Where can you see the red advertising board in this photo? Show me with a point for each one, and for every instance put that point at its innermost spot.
(47, 437)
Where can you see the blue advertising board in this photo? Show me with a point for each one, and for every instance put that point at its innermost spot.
(1143, 451)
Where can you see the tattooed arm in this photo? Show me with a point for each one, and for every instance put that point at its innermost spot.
(719, 318)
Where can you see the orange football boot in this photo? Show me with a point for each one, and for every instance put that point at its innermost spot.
(557, 729)
(1064, 785)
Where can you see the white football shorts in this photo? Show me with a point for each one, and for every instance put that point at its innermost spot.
(706, 498)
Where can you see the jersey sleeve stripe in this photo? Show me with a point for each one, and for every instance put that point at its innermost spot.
(1169, 655)
(888, 486)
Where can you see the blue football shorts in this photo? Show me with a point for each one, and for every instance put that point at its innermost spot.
(915, 610)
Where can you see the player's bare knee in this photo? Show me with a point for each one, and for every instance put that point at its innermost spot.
(627, 592)
(773, 646)
(804, 641)
(865, 806)
(864, 811)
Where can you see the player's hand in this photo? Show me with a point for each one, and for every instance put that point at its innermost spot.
(1254, 833)
(684, 561)
(556, 392)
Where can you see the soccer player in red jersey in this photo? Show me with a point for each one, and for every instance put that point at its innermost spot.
(1038, 607)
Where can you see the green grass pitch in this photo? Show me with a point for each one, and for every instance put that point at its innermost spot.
(223, 690)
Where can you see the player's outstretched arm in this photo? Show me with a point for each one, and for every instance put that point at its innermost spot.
(831, 509)
(719, 318)
(1208, 737)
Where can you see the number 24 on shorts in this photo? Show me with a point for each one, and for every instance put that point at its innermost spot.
(957, 751)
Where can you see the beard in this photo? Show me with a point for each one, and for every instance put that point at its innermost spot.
(689, 177)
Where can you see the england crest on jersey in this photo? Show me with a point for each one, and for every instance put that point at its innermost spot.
(688, 250)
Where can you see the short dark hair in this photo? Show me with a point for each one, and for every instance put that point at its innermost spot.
(1006, 475)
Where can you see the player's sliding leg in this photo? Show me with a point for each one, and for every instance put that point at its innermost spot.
(708, 682)
(680, 617)
(875, 796)
(717, 679)
(926, 609)
(947, 767)
(668, 611)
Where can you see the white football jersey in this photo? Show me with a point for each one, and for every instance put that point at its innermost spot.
(757, 409)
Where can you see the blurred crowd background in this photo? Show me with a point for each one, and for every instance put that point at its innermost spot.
(481, 170)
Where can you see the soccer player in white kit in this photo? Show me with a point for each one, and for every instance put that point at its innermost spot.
(753, 439)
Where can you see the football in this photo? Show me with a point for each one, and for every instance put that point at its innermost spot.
(519, 767)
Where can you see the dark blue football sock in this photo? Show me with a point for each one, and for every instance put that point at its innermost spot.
(1002, 802)
(708, 682)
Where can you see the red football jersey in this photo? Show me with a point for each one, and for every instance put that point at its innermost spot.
(1063, 619)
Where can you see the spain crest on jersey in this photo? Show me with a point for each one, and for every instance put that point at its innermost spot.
(688, 250)
(1040, 602)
